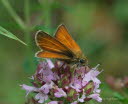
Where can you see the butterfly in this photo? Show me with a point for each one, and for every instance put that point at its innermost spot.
(61, 47)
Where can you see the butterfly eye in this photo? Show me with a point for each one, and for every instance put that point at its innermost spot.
(82, 61)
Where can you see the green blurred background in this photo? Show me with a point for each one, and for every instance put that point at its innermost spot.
(100, 27)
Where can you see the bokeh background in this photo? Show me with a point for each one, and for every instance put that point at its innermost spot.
(100, 27)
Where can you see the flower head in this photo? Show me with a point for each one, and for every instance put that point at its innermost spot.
(58, 83)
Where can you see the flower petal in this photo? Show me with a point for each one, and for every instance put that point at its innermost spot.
(96, 97)
(28, 88)
(76, 83)
(41, 97)
(91, 76)
(46, 87)
(50, 64)
(60, 93)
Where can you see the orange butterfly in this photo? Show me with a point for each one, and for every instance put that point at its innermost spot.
(61, 47)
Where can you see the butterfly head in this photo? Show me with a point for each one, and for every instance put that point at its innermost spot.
(83, 61)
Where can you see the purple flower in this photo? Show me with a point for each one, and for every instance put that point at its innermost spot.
(50, 64)
(76, 83)
(60, 93)
(59, 83)
(42, 92)
(96, 97)
(46, 87)
(48, 75)
(29, 89)
(44, 72)
(81, 71)
(91, 76)
(41, 97)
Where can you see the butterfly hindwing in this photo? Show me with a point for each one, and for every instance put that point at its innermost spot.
(46, 54)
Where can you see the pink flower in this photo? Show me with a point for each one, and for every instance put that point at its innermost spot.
(44, 72)
(81, 71)
(48, 75)
(50, 64)
(91, 76)
(41, 97)
(60, 93)
(42, 92)
(96, 97)
(76, 84)
(29, 89)
(96, 87)
(46, 87)
(60, 84)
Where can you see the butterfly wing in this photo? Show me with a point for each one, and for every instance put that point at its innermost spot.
(65, 38)
(46, 54)
(52, 48)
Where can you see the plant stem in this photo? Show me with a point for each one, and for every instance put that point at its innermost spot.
(46, 6)
(29, 53)
(27, 21)
(14, 14)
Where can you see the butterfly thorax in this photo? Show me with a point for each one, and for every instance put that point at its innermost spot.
(80, 60)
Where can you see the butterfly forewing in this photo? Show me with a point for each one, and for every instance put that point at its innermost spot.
(61, 47)
(51, 47)
(65, 38)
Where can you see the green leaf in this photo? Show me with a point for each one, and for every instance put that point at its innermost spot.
(119, 96)
(10, 35)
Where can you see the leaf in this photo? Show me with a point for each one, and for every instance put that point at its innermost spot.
(10, 35)
(119, 96)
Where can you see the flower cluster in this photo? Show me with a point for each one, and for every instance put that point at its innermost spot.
(60, 83)
(117, 83)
